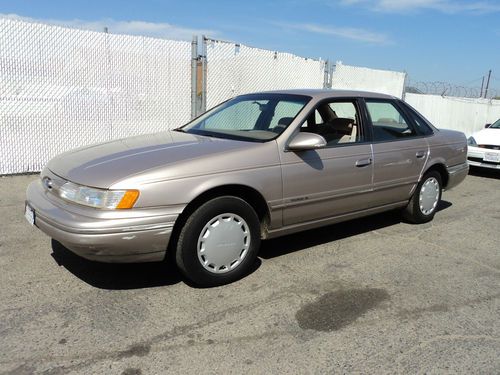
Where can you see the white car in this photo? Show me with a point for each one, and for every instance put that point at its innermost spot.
(484, 147)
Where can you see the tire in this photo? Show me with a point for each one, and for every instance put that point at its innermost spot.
(422, 206)
(219, 242)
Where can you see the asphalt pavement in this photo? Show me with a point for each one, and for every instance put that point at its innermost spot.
(374, 295)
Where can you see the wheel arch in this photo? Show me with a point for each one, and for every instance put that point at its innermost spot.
(250, 195)
(441, 169)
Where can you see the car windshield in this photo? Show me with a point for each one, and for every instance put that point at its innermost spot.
(254, 117)
(495, 125)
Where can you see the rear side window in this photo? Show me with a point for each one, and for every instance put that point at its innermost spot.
(389, 123)
(422, 126)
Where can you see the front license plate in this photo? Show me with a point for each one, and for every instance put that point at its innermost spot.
(29, 214)
(491, 156)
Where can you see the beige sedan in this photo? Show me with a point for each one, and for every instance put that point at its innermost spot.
(255, 167)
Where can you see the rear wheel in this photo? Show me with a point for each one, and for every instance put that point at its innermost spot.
(425, 199)
(219, 242)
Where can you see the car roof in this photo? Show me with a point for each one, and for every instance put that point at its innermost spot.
(329, 93)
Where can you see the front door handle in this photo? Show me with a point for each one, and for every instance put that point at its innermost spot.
(363, 162)
(420, 154)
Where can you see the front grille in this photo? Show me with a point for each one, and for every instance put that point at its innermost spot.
(491, 147)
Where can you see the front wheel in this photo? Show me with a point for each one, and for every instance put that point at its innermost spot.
(219, 242)
(425, 199)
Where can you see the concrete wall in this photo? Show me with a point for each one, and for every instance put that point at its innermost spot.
(347, 77)
(464, 114)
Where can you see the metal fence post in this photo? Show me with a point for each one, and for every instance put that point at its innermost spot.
(204, 75)
(325, 74)
(194, 77)
(328, 75)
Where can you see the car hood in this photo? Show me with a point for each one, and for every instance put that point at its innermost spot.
(104, 164)
(487, 137)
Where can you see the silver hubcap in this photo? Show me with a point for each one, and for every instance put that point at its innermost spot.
(223, 243)
(429, 196)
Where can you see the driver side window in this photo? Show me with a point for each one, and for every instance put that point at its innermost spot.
(336, 121)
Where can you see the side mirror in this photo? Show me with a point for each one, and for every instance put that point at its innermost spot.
(306, 141)
(487, 125)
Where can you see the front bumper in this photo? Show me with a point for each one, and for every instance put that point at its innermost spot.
(456, 174)
(114, 236)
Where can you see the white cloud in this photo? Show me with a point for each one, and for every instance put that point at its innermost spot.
(357, 34)
(135, 27)
(447, 6)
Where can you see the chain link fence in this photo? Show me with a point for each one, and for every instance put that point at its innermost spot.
(234, 69)
(63, 88)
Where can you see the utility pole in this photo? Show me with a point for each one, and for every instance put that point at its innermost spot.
(487, 84)
(482, 86)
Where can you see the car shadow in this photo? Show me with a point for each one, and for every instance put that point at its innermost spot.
(484, 172)
(123, 276)
(116, 276)
(300, 241)
(312, 159)
(443, 205)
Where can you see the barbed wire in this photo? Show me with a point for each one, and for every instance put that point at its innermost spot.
(449, 89)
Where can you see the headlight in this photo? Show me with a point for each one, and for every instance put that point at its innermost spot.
(98, 198)
(471, 141)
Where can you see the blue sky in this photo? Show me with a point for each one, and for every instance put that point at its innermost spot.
(455, 41)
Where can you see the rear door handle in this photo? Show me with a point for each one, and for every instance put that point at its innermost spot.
(363, 162)
(420, 154)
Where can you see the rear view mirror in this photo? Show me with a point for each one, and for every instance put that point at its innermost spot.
(487, 125)
(306, 141)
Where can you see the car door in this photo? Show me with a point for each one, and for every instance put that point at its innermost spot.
(400, 152)
(333, 180)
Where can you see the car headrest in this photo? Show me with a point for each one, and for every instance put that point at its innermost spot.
(342, 125)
